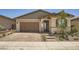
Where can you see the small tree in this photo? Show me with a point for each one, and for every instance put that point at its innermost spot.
(62, 25)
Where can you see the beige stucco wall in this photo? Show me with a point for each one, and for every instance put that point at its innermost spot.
(68, 24)
(7, 23)
(52, 24)
(27, 20)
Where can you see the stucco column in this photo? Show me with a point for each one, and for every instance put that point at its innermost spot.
(17, 26)
(68, 24)
(41, 26)
(52, 25)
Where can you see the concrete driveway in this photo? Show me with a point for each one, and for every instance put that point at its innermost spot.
(23, 37)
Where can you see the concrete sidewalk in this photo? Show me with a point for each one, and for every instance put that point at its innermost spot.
(39, 45)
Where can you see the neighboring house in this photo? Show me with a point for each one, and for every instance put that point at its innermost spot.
(75, 22)
(6, 22)
(39, 21)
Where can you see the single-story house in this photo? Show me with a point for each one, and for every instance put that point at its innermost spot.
(39, 21)
(6, 22)
(75, 22)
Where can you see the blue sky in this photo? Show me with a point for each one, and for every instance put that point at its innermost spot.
(17, 12)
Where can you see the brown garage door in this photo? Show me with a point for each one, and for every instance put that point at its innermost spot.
(29, 27)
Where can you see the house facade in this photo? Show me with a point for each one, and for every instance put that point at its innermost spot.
(39, 21)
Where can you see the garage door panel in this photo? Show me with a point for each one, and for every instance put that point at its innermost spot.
(29, 26)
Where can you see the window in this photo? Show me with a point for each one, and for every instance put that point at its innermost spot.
(61, 22)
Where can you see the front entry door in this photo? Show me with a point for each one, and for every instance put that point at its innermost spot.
(46, 26)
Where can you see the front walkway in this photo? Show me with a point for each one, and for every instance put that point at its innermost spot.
(39, 45)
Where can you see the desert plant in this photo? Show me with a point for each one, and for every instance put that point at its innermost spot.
(74, 31)
(4, 34)
(2, 27)
(43, 38)
(62, 25)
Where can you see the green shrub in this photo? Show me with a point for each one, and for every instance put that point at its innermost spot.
(4, 35)
(74, 31)
(43, 38)
(2, 27)
(63, 36)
